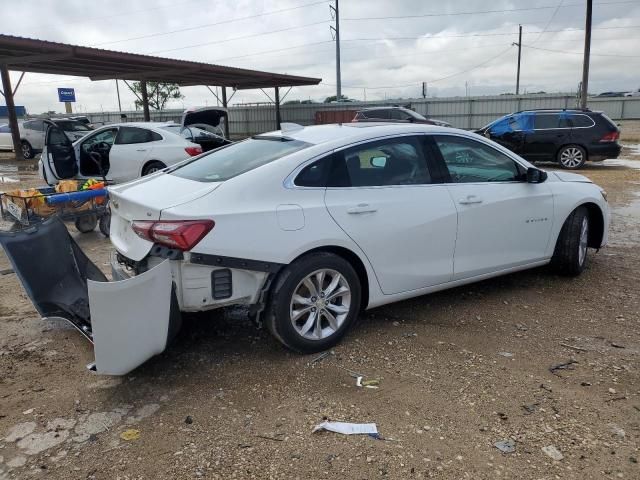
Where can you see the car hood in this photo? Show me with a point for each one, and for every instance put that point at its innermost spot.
(571, 177)
(145, 199)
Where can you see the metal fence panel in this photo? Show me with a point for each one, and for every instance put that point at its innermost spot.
(461, 112)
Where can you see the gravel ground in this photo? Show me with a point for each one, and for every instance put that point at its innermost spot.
(459, 371)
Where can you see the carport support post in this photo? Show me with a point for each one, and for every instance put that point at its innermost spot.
(145, 101)
(277, 108)
(224, 105)
(11, 109)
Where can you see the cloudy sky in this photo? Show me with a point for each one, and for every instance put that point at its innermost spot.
(388, 47)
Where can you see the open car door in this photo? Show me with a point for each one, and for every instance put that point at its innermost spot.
(60, 162)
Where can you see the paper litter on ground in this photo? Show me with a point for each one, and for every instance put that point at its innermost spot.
(347, 428)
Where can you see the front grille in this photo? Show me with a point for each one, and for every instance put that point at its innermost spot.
(221, 284)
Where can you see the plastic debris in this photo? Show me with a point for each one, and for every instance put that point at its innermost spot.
(373, 383)
(553, 452)
(506, 354)
(506, 446)
(130, 434)
(346, 428)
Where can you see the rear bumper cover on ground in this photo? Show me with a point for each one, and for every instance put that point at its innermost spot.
(128, 320)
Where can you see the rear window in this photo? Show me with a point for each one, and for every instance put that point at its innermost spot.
(72, 126)
(238, 158)
(580, 120)
(610, 123)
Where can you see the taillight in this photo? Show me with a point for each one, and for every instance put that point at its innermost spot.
(193, 151)
(610, 137)
(180, 234)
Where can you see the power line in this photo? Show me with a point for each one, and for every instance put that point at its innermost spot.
(470, 35)
(216, 42)
(207, 25)
(430, 81)
(478, 12)
(581, 53)
(553, 15)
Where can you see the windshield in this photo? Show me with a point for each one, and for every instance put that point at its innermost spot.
(72, 126)
(228, 162)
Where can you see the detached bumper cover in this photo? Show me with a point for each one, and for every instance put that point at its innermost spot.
(129, 321)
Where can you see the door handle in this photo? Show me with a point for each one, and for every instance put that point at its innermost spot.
(141, 150)
(470, 200)
(362, 208)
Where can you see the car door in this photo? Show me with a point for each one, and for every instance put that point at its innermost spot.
(35, 134)
(390, 207)
(511, 131)
(503, 221)
(59, 161)
(6, 142)
(551, 131)
(129, 152)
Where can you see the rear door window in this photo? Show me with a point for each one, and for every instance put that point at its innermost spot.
(546, 121)
(397, 161)
(230, 161)
(129, 135)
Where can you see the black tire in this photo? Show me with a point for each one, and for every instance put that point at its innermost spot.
(86, 223)
(567, 258)
(278, 315)
(104, 224)
(152, 167)
(572, 157)
(27, 150)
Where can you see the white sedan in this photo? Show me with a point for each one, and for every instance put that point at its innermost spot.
(309, 226)
(120, 152)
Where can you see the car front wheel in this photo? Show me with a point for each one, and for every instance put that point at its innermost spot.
(570, 255)
(313, 302)
(572, 157)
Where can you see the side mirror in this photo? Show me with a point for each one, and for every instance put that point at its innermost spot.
(535, 175)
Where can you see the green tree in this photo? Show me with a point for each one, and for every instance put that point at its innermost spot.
(332, 98)
(159, 93)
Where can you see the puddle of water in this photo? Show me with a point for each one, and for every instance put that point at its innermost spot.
(635, 148)
(622, 162)
(625, 223)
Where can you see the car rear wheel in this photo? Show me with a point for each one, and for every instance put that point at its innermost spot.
(86, 223)
(570, 255)
(313, 302)
(572, 157)
(27, 150)
(153, 167)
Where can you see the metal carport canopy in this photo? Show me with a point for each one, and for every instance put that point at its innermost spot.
(40, 56)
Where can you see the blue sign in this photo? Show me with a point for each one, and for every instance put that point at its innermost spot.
(66, 95)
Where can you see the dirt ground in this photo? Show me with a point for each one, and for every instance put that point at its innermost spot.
(459, 371)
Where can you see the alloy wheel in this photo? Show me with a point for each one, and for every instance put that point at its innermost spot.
(320, 304)
(584, 240)
(571, 157)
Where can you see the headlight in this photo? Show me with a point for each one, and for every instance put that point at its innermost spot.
(604, 194)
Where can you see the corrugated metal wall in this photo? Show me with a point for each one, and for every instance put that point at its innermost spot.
(461, 112)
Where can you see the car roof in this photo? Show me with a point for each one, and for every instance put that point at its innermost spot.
(385, 107)
(339, 133)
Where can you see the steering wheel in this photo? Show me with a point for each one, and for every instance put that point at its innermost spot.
(101, 147)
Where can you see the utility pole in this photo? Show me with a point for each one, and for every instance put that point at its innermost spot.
(424, 89)
(519, 44)
(587, 53)
(118, 92)
(336, 30)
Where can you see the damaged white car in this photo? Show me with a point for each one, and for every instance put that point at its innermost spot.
(308, 226)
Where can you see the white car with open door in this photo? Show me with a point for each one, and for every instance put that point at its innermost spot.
(308, 226)
(120, 152)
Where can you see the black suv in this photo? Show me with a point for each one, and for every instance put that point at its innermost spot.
(395, 114)
(569, 137)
